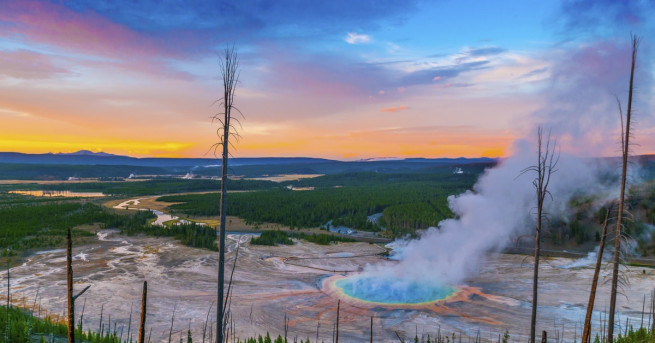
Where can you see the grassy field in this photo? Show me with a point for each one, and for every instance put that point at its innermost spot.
(145, 187)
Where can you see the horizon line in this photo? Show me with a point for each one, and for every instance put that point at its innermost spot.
(363, 159)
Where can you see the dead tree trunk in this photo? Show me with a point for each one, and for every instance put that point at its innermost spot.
(371, 338)
(336, 340)
(545, 167)
(586, 333)
(230, 74)
(535, 278)
(69, 284)
(625, 140)
(170, 332)
(142, 325)
(8, 300)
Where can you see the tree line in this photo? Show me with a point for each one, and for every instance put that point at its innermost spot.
(425, 202)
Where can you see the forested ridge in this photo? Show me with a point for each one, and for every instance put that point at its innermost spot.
(408, 201)
(43, 224)
(40, 225)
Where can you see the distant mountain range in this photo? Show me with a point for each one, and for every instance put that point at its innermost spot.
(87, 164)
(86, 157)
(84, 153)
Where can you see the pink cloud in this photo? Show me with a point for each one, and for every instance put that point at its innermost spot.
(23, 64)
(394, 109)
(91, 35)
(315, 75)
(86, 32)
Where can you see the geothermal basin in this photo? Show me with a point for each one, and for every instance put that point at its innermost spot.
(386, 291)
(303, 283)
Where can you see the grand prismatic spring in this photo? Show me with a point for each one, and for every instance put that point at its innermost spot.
(376, 290)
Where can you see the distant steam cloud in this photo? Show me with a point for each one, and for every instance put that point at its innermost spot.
(582, 110)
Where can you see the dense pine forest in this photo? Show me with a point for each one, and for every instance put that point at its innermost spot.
(408, 202)
(43, 224)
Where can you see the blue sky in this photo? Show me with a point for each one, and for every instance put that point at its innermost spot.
(339, 79)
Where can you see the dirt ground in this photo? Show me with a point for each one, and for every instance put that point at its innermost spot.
(294, 281)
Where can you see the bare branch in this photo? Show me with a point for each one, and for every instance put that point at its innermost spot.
(81, 292)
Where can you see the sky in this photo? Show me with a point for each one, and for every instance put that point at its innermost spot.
(341, 79)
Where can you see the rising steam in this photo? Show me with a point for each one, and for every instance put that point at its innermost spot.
(500, 207)
(583, 116)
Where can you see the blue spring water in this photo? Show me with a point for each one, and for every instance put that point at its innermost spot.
(392, 291)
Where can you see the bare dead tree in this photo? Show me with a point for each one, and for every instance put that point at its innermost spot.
(69, 286)
(229, 66)
(129, 321)
(142, 324)
(170, 332)
(400, 338)
(229, 284)
(371, 332)
(81, 325)
(625, 150)
(586, 333)
(204, 329)
(228, 296)
(546, 165)
(8, 300)
(102, 308)
(337, 323)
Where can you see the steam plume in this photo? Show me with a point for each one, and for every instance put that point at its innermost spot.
(582, 114)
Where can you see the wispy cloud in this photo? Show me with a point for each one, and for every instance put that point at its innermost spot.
(24, 64)
(357, 38)
(487, 51)
(442, 73)
(394, 109)
(152, 63)
(13, 113)
(478, 54)
(534, 72)
(392, 48)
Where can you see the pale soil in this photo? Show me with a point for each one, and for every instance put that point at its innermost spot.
(271, 282)
(282, 178)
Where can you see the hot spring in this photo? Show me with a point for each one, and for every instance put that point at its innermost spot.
(387, 290)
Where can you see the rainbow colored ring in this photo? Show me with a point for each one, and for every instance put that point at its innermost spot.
(417, 296)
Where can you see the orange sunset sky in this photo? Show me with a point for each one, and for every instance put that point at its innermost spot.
(338, 80)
